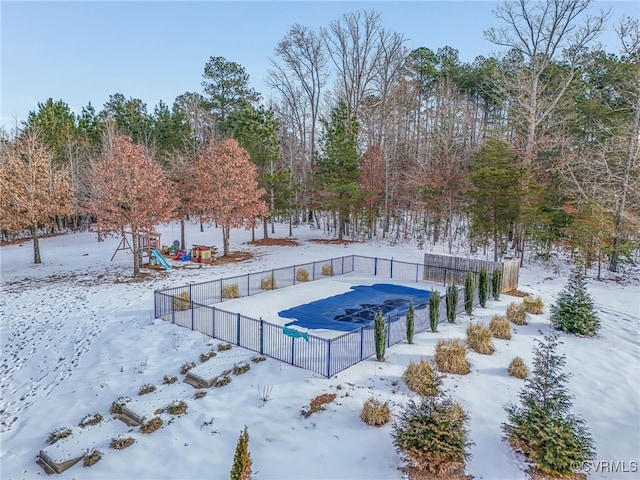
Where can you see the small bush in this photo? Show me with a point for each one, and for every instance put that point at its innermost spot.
(500, 327)
(574, 311)
(183, 302)
(146, 388)
(318, 403)
(91, 458)
(200, 394)
(379, 335)
(480, 338)
(516, 313)
(177, 408)
(258, 358)
(517, 368)
(241, 468)
(224, 346)
(423, 378)
(433, 435)
(327, 270)
(186, 367)
(116, 407)
(151, 426)
(469, 289)
(410, 322)
(206, 356)
(58, 434)
(451, 357)
(121, 443)
(221, 381)
(533, 305)
(496, 284)
(375, 412)
(91, 419)
(169, 379)
(240, 368)
(451, 300)
(231, 291)
(483, 287)
(302, 275)
(434, 310)
(268, 283)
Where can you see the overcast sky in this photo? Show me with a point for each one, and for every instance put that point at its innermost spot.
(82, 52)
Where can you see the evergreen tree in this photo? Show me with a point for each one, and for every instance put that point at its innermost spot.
(434, 310)
(573, 312)
(241, 469)
(469, 288)
(542, 427)
(483, 287)
(452, 302)
(411, 315)
(496, 284)
(380, 335)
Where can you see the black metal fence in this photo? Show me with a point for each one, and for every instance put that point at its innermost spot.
(194, 306)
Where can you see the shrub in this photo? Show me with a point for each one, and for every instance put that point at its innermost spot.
(268, 283)
(433, 435)
(116, 407)
(434, 310)
(517, 368)
(169, 379)
(452, 302)
(500, 327)
(91, 419)
(516, 313)
(91, 458)
(231, 291)
(480, 338)
(240, 368)
(221, 381)
(151, 426)
(451, 357)
(200, 394)
(177, 408)
(302, 275)
(182, 302)
(380, 335)
(423, 378)
(496, 284)
(327, 270)
(146, 388)
(121, 443)
(573, 312)
(258, 358)
(410, 321)
(375, 412)
(533, 305)
(542, 427)
(483, 287)
(186, 367)
(318, 403)
(241, 468)
(206, 356)
(58, 434)
(469, 288)
(224, 346)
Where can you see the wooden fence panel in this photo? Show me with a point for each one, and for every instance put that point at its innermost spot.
(457, 267)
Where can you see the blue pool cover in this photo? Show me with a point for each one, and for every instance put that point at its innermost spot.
(356, 308)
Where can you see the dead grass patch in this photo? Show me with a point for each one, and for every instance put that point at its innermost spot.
(231, 291)
(121, 443)
(58, 434)
(317, 404)
(375, 413)
(451, 357)
(281, 242)
(151, 426)
(517, 368)
(533, 305)
(91, 458)
(500, 327)
(516, 313)
(422, 378)
(91, 419)
(177, 408)
(480, 338)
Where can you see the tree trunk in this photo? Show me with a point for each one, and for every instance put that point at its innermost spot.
(265, 228)
(182, 236)
(137, 261)
(225, 241)
(36, 245)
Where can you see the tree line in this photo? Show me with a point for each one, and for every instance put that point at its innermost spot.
(530, 151)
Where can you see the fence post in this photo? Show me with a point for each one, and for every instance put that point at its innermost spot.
(375, 266)
(293, 349)
(294, 274)
(261, 336)
(248, 285)
(213, 322)
(313, 273)
(329, 359)
(221, 289)
(361, 342)
(444, 283)
(417, 271)
(389, 331)
(342, 273)
(238, 330)
(192, 316)
(391, 269)
(173, 310)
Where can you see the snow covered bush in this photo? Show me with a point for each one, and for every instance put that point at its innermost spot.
(91, 458)
(573, 312)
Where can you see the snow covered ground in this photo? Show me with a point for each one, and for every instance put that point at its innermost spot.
(78, 333)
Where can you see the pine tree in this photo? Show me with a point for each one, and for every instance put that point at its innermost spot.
(542, 427)
(483, 287)
(380, 335)
(241, 469)
(496, 284)
(573, 312)
(469, 287)
(452, 302)
(411, 315)
(434, 310)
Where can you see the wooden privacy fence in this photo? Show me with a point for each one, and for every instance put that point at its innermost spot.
(193, 306)
(447, 270)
